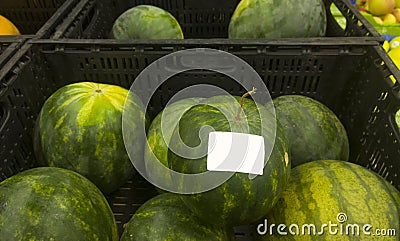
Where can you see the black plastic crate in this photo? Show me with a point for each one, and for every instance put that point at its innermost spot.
(29, 16)
(198, 19)
(351, 78)
(9, 45)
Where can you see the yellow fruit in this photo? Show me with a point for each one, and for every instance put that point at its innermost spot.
(396, 13)
(389, 19)
(394, 43)
(386, 46)
(395, 56)
(381, 7)
(378, 20)
(7, 27)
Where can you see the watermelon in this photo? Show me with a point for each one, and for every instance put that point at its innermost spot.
(395, 194)
(313, 130)
(278, 19)
(332, 192)
(80, 128)
(49, 203)
(165, 217)
(243, 198)
(146, 22)
(158, 135)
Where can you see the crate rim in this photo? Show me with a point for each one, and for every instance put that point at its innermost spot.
(23, 56)
(315, 41)
(361, 18)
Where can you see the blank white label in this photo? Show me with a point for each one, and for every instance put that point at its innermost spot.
(235, 152)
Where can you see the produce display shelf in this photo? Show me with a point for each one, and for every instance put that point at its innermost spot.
(93, 19)
(353, 78)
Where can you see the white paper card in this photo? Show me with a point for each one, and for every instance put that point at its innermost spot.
(235, 152)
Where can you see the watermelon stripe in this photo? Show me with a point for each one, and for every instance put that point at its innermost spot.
(318, 191)
(146, 22)
(239, 200)
(84, 132)
(165, 217)
(54, 204)
(278, 19)
(313, 130)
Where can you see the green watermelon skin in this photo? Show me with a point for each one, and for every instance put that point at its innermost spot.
(318, 191)
(157, 138)
(80, 128)
(395, 195)
(313, 130)
(165, 218)
(240, 200)
(146, 22)
(49, 203)
(278, 19)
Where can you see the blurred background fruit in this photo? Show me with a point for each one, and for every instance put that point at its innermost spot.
(7, 27)
(381, 7)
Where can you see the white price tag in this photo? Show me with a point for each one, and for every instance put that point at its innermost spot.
(235, 152)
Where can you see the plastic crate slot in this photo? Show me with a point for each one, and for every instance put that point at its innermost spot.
(123, 61)
(383, 96)
(87, 15)
(118, 214)
(119, 204)
(116, 66)
(109, 66)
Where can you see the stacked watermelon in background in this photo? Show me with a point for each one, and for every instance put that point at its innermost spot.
(146, 22)
(251, 19)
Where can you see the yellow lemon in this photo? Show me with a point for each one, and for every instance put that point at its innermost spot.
(389, 19)
(7, 27)
(395, 56)
(378, 20)
(386, 46)
(394, 43)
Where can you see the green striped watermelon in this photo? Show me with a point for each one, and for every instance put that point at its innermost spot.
(313, 130)
(157, 137)
(330, 192)
(395, 194)
(278, 19)
(49, 203)
(240, 200)
(165, 217)
(80, 128)
(146, 22)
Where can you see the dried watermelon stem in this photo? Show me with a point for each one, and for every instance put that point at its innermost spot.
(251, 92)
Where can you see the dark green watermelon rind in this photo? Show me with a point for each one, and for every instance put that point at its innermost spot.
(165, 217)
(49, 203)
(239, 200)
(313, 130)
(146, 22)
(278, 19)
(158, 135)
(318, 191)
(87, 138)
